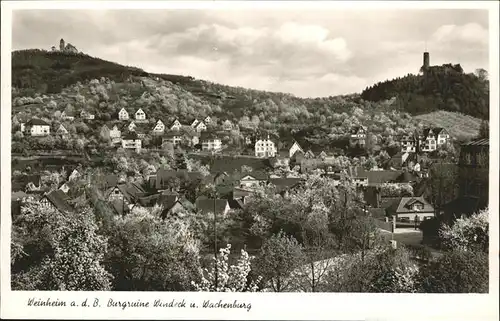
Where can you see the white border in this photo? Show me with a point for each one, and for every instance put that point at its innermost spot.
(267, 305)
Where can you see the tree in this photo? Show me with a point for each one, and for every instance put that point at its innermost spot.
(180, 160)
(455, 272)
(279, 256)
(149, 254)
(467, 234)
(228, 278)
(57, 251)
(442, 184)
(484, 129)
(382, 270)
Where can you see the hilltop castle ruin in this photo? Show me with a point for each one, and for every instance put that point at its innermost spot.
(65, 47)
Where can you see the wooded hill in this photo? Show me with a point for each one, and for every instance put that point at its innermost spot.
(444, 87)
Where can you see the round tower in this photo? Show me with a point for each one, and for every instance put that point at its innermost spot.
(62, 45)
(427, 60)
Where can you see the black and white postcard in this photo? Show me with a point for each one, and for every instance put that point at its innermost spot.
(249, 160)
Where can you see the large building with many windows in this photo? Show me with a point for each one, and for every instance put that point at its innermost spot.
(265, 148)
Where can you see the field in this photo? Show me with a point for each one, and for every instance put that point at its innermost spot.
(460, 126)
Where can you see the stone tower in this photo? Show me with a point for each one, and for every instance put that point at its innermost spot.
(427, 60)
(62, 45)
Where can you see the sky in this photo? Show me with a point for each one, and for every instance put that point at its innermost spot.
(309, 53)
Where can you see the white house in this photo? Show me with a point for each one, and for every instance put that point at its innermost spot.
(200, 127)
(115, 133)
(408, 144)
(210, 142)
(265, 148)
(132, 126)
(207, 120)
(131, 141)
(227, 125)
(62, 131)
(86, 115)
(432, 138)
(159, 127)
(176, 125)
(194, 123)
(123, 114)
(66, 115)
(37, 127)
(172, 138)
(295, 148)
(140, 115)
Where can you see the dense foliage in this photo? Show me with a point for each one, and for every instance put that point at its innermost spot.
(444, 87)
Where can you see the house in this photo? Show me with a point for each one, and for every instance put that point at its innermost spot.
(74, 175)
(175, 125)
(123, 114)
(172, 204)
(68, 115)
(227, 125)
(62, 131)
(127, 193)
(409, 143)
(309, 154)
(253, 179)
(105, 132)
(194, 123)
(295, 148)
(115, 133)
(201, 126)
(265, 148)
(140, 115)
(37, 127)
(207, 120)
(432, 138)
(210, 142)
(208, 206)
(173, 137)
(131, 141)
(86, 115)
(362, 177)
(131, 126)
(409, 208)
(358, 136)
(242, 194)
(142, 129)
(159, 127)
(56, 199)
(283, 185)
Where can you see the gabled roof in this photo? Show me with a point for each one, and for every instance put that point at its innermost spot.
(208, 135)
(376, 177)
(206, 205)
(131, 191)
(235, 204)
(406, 202)
(59, 200)
(355, 129)
(148, 201)
(284, 184)
(36, 122)
(258, 175)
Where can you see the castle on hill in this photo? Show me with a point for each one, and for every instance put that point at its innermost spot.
(65, 47)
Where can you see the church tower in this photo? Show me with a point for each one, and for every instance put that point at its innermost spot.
(62, 45)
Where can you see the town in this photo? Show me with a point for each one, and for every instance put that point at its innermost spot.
(147, 145)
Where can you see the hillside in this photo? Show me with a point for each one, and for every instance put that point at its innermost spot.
(444, 87)
(45, 84)
(460, 126)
